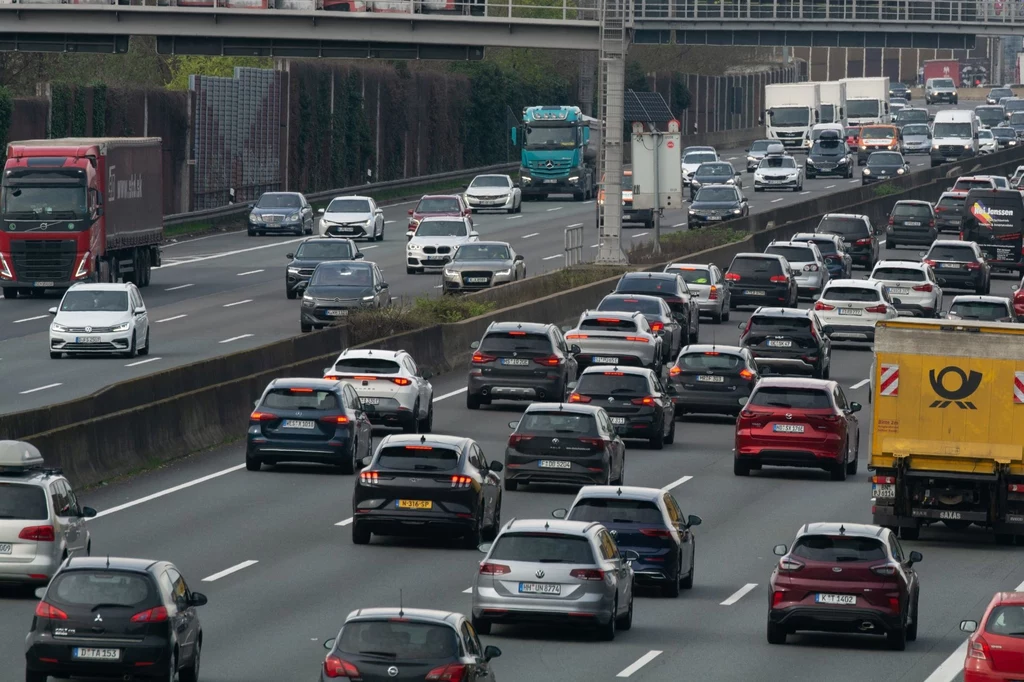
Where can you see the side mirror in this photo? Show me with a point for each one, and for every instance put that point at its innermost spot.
(290, 256)
(693, 520)
(491, 651)
(855, 407)
(560, 513)
(566, 327)
(198, 599)
(575, 349)
(519, 257)
(88, 512)
(474, 345)
(672, 390)
(252, 204)
(629, 555)
(385, 285)
(572, 385)
(40, 592)
(897, 301)
(741, 325)
(359, 254)
(780, 550)
(969, 625)
(515, 135)
(410, 211)
(943, 313)
(140, 310)
(474, 233)
(256, 403)
(369, 409)
(915, 557)
(747, 150)
(496, 466)
(513, 425)
(427, 374)
(328, 370)
(485, 547)
(329, 643)
(320, 211)
(365, 461)
(1015, 287)
(52, 311)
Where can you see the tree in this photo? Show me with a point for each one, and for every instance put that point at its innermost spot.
(184, 66)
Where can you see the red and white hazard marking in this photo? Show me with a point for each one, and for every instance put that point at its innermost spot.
(890, 381)
(1018, 387)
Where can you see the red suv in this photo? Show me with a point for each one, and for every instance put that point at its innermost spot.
(851, 578)
(794, 422)
(995, 651)
(437, 205)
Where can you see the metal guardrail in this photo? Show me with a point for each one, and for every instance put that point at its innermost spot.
(573, 246)
(241, 209)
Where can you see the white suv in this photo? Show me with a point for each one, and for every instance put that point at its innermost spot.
(912, 285)
(849, 308)
(107, 319)
(389, 383)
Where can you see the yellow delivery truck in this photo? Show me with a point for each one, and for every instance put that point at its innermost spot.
(948, 440)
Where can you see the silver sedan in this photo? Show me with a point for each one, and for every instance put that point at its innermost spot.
(480, 265)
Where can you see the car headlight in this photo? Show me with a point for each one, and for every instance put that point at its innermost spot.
(867, 171)
(935, 147)
(58, 327)
(449, 273)
(736, 211)
(695, 183)
(308, 301)
(810, 162)
(574, 178)
(369, 222)
(968, 146)
(900, 171)
(731, 181)
(751, 159)
(293, 271)
(123, 327)
(843, 160)
(503, 273)
(415, 247)
(368, 298)
(526, 178)
(692, 212)
(1013, 142)
(954, 93)
(293, 216)
(253, 217)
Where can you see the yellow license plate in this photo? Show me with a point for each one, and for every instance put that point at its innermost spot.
(415, 504)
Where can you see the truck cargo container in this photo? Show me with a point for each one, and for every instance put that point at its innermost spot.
(867, 100)
(943, 68)
(791, 109)
(833, 102)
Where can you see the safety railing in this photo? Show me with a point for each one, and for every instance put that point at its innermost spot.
(573, 246)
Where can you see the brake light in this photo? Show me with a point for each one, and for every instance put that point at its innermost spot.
(863, 242)
(460, 481)
(931, 263)
(154, 615)
(894, 602)
(656, 533)
(452, 672)
(401, 381)
(587, 573)
(335, 667)
(979, 649)
(974, 266)
(614, 374)
(576, 336)
(646, 400)
(732, 277)
(577, 398)
(300, 390)
(37, 533)
(931, 223)
(369, 478)
(777, 597)
(638, 339)
(923, 287)
(612, 320)
(818, 305)
(550, 361)
(713, 294)
(515, 439)
(261, 417)
(746, 374)
(494, 569)
(891, 222)
(44, 610)
(778, 278)
(787, 564)
(881, 309)
(883, 479)
(674, 371)
(336, 419)
(657, 326)
(517, 333)
(482, 358)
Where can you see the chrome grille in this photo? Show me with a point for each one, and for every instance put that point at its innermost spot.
(272, 219)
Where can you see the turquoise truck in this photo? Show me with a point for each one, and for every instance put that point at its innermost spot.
(559, 152)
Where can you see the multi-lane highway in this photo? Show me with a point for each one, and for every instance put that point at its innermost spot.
(273, 552)
(219, 294)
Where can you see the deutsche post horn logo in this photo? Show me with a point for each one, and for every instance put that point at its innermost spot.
(968, 385)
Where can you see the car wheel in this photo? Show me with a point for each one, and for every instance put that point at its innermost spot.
(191, 673)
(740, 468)
(671, 437)
(606, 633)
(412, 424)
(776, 633)
(838, 470)
(427, 423)
(34, 676)
(473, 402)
(145, 349)
(172, 670)
(305, 327)
(910, 532)
(360, 533)
(725, 311)
(252, 464)
(717, 317)
(132, 350)
(292, 295)
(495, 526)
(482, 627)
(626, 622)
(510, 485)
(347, 464)
(687, 582)
(912, 627)
(896, 638)
(471, 540)
(657, 441)
(851, 467)
(671, 587)
(891, 243)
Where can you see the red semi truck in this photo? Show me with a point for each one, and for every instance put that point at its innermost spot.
(942, 68)
(80, 210)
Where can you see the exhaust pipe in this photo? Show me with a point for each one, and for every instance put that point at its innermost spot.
(867, 626)
(485, 391)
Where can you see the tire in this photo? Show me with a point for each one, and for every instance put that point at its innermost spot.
(191, 673)
(811, 177)
(473, 402)
(912, 627)
(492, 530)
(717, 318)
(657, 441)
(510, 485)
(252, 464)
(606, 633)
(671, 437)
(626, 622)
(306, 328)
(1004, 539)
(472, 538)
(145, 349)
(132, 350)
(687, 582)
(851, 467)
(896, 639)
(347, 465)
(725, 312)
(380, 237)
(56, 356)
(33, 676)
(910, 533)
(251, 233)
(413, 425)
(776, 634)
(172, 669)
(360, 533)
(671, 588)
(740, 468)
(147, 268)
(482, 627)
(11, 292)
(427, 423)
(838, 471)
(292, 295)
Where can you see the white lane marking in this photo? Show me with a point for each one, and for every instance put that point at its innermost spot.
(739, 594)
(235, 338)
(881, 242)
(639, 663)
(250, 272)
(860, 383)
(345, 522)
(532, 234)
(367, 248)
(594, 246)
(229, 571)
(29, 319)
(854, 182)
(586, 203)
(556, 208)
(574, 225)
(171, 319)
(142, 362)
(468, 590)
(41, 388)
(678, 481)
(640, 234)
(830, 186)
(229, 305)
(679, 225)
(775, 201)
(732, 158)
(168, 491)
(439, 286)
(514, 217)
(557, 255)
(449, 395)
(802, 193)
(388, 222)
(225, 254)
(180, 286)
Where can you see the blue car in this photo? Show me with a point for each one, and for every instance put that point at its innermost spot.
(837, 258)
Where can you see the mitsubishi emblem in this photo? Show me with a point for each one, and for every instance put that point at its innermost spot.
(98, 619)
(539, 573)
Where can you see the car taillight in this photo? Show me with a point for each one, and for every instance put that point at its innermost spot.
(746, 329)
(974, 266)
(746, 374)
(155, 615)
(335, 419)
(261, 417)
(646, 400)
(931, 263)
(453, 672)
(713, 293)
(931, 223)
(587, 573)
(494, 569)
(883, 479)
(638, 339)
(37, 533)
(891, 222)
(460, 481)
(880, 309)
(923, 287)
(657, 326)
(335, 667)
(369, 478)
(576, 336)
(787, 564)
(884, 569)
(577, 398)
(656, 532)
(818, 305)
(675, 371)
(515, 439)
(732, 277)
(778, 278)
(401, 381)
(863, 242)
(979, 649)
(550, 361)
(596, 443)
(941, 209)
(894, 604)
(483, 358)
(811, 268)
(44, 610)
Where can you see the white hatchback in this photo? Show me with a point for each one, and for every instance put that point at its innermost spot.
(849, 308)
(100, 319)
(912, 285)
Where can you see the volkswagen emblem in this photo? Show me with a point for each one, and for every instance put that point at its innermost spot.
(393, 671)
(539, 573)
(836, 569)
(88, 329)
(337, 300)
(611, 399)
(549, 164)
(554, 440)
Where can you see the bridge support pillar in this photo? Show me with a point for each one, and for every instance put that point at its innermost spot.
(616, 16)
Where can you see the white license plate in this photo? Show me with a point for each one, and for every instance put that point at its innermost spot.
(843, 599)
(87, 339)
(883, 490)
(602, 360)
(44, 284)
(627, 216)
(550, 182)
(788, 428)
(519, 362)
(618, 421)
(335, 313)
(851, 311)
(711, 379)
(950, 265)
(780, 344)
(753, 292)
(554, 464)
(476, 280)
(910, 223)
(299, 424)
(714, 217)
(370, 401)
(539, 588)
(5, 548)
(899, 290)
(96, 654)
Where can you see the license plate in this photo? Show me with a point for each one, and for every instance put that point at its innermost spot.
(883, 490)
(414, 504)
(780, 344)
(898, 290)
(335, 312)
(44, 284)
(539, 588)
(753, 292)
(618, 421)
(602, 360)
(843, 599)
(299, 424)
(950, 265)
(714, 217)
(96, 654)
(434, 261)
(87, 339)
(5, 548)
(711, 379)
(627, 216)
(476, 280)
(550, 182)
(554, 464)
(519, 362)
(910, 223)
(788, 428)
(851, 311)
(370, 401)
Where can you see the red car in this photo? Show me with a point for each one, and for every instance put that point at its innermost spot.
(437, 205)
(852, 137)
(846, 578)
(1018, 300)
(995, 650)
(795, 422)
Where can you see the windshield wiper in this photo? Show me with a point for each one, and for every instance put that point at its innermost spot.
(108, 606)
(382, 654)
(426, 467)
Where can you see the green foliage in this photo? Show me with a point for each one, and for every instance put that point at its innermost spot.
(885, 189)
(183, 67)
(79, 121)
(537, 9)
(99, 109)
(676, 245)
(60, 109)
(6, 113)
(680, 94)
(367, 325)
(636, 79)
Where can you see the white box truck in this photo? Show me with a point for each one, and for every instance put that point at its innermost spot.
(867, 100)
(791, 109)
(833, 102)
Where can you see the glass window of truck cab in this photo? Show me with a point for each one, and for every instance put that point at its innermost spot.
(790, 116)
(46, 194)
(552, 135)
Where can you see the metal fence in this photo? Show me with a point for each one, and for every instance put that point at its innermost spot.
(573, 246)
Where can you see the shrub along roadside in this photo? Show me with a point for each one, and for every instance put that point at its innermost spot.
(678, 244)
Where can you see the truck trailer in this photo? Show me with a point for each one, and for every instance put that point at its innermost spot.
(833, 102)
(867, 100)
(948, 439)
(943, 68)
(791, 110)
(560, 145)
(80, 210)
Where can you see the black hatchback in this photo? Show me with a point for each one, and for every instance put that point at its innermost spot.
(673, 289)
(115, 618)
(309, 420)
(786, 341)
(829, 157)
(949, 212)
(407, 645)
(761, 279)
(712, 379)
(858, 234)
(634, 397)
(310, 254)
(884, 166)
(959, 265)
(911, 222)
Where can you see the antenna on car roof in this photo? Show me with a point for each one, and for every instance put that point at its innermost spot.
(546, 525)
(401, 605)
(423, 439)
(619, 491)
(842, 530)
(108, 561)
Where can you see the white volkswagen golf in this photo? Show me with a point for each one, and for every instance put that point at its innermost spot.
(100, 319)
(849, 308)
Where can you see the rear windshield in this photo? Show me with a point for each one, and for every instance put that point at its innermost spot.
(951, 252)
(1006, 620)
(616, 511)
(367, 366)
(793, 254)
(558, 422)
(851, 294)
(418, 458)
(612, 383)
(641, 305)
(693, 275)
(919, 210)
(760, 145)
(978, 310)
(508, 342)
(91, 588)
(1014, 105)
(611, 324)
(846, 228)
(825, 246)
(915, 115)
(22, 502)
(951, 203)
(898, 275)
(300, 399)
(542, 548)
(791, 398)
(967, 185)
(710, 361)
(834, 549)
(399, 639)
(748, 267)
(660, 285)
(767, 324)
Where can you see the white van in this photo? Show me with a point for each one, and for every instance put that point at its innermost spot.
(954, 136)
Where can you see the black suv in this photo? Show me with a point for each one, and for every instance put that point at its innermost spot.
(911, 222)
(635, 399)
(858, 234)
(760, 278)
(829, 156)
(673, 289)
(949, 212)
(115, 617)
(311, 253)
(520, 361)
(713, 379)
(786, 341)
(959, 265)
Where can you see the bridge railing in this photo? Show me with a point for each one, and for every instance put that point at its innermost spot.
(895, 11)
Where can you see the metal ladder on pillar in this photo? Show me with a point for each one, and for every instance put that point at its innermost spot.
(616, 20)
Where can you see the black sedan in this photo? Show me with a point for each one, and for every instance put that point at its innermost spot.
(309, 420)
(1006, 136)
(883, 166)
(634, 398)
(281, 212)
(339, 286)
(312, 253)
(715, 204)
(714, 173)
(899, 90)
(712, 379)
(441, 485)
(829, 156)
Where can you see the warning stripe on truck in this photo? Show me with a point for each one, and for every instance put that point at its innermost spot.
(1018, 388)
(889, 383)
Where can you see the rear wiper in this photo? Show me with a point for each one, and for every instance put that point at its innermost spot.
(620, 389)
(426, 467)
(623, 521)
(565, 430)
(107, 606)
(382, 654)
(847, 558)
(552, 561)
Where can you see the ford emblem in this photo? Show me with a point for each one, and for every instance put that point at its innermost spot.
(836, 569)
